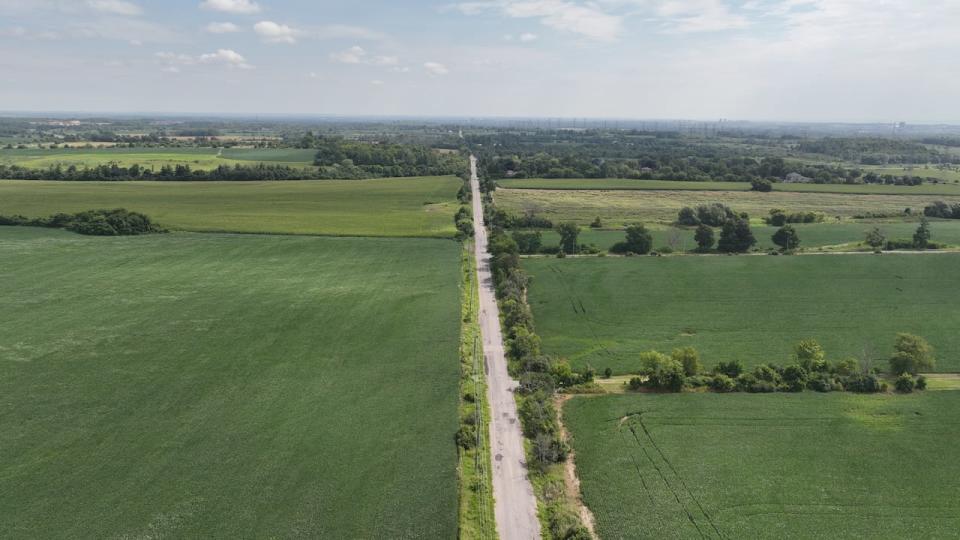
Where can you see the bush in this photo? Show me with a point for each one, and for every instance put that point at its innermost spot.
(689, 358)
(736, 237)
(787, 238)
(810, 355)
(662, 372)
(795, 378)
(912, 354)
(528, 242)
(466, 437)
(762, 185)
(607, 373)
(731, 369)
(704, 238)
(904, 383)
(821, 382)
(865, 384)
(768, 373)
(921, 382)
(636, 383)
(596, 224)
(722, 383)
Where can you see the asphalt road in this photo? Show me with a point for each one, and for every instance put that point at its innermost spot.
(515, 506)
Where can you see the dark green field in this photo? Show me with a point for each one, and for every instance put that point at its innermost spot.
(769, 466)
(198, 386)
(420, 206)
(618, 184)
(811, 235)
(605, 311)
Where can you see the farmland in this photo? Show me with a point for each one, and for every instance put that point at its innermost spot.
(769, 466)
(201, 158)
(813, 235)
(379, 207)
(227, 386)
(616, 208)
(605, 311)
(620, 184)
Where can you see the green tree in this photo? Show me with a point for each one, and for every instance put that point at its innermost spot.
(569, 232)
(921, 238)
(762, 185)
(736, 236)
(876, 239)
(786, 237)
(689, 358)
(904, 383)
(810, 355)
(704, 238)
(912, 354)
(639, 239)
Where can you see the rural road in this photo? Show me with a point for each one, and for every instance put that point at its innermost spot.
(515, 506)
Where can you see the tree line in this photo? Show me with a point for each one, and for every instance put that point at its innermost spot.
(382, 159)
(809, 370)
(116, 222)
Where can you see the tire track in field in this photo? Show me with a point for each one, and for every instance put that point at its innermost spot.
(574, 300)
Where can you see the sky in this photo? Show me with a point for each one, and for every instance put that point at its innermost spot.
(791, 60)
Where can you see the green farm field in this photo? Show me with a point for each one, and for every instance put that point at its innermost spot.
(618, 184)
(197, 158)
(617, 208)
(231, 386)
(420, 207)
(703, 465)
(812, 235)
(605, 311)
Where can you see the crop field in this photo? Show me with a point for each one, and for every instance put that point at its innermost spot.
(229, 386)
(769, 466)
(617, 208)
(812, 235)
(196, 158)
(381, 207)
(605, 311)
(618, 184)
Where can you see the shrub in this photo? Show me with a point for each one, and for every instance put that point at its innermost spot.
(636, 383)
(761, 184)
(704, 238)
(786, 237)
(865, 384)
(736, 236)
(795, 378)
(922, 237)
(607, 373)
(921, 382)
(904, 383)
(689, 358)
(722, 383)
(912, 354)
(466, 437)
(528, 242)
(876, 239)
(745, 381)
(820, 382)
(662, 372)
(731, 369)
(810, 355)
(596, 224)
(768, 373)
(548, 448)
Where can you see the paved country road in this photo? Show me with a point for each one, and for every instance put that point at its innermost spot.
(515, 506)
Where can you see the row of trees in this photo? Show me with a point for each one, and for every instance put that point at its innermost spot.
(809, 369)
(940, 209)
(383, 158)
(117, 222)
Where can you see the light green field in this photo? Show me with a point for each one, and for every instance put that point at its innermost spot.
(227, 386)
(196, 158)
(673, 185)
(605, 311)
(380, 207)
(812, 235)
(618, 208)
(769, 465)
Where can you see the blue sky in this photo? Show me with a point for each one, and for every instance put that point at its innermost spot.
(808, 60)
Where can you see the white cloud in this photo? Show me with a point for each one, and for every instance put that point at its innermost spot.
(272, 32)
(222, 28)
(435, 69)
(344, 31)
(377, 82)
(116, 7)
(586, 19)
(231, 6)
(359, 55)
(225, 57)
(527, 37)
(689, 16)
